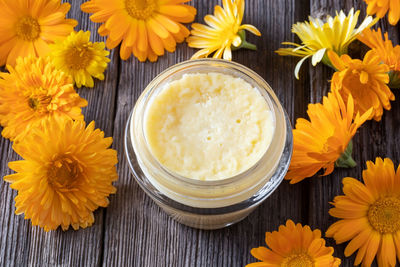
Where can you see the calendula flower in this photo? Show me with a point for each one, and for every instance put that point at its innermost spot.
(381, 7)
(28, 27)
(383, 48)
(366, 80)
(324, 141)
(223, 33)
(370, 215)
(35, 90)
(144, 28)
(66, 173)
(318, 37)
(294, 245)
(80, 58)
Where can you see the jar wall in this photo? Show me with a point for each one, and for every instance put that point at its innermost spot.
(208, 205)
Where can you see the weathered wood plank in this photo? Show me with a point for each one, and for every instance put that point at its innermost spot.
(137, 232)
(373, 139)
(133, 231)
(15, 232)
(23, 245)
(323, 189)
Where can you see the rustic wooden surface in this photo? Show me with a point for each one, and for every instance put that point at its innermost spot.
(133, 231)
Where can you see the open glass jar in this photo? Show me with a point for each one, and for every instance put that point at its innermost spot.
(208, 204)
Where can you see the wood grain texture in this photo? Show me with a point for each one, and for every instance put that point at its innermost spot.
(133, 230)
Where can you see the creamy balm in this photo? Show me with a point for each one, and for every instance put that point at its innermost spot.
(208, 141)
(208, 126)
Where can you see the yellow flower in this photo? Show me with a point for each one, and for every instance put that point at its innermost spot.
(27, 27)
(66, 174)
(325, 140)
(294, 245)
(365, 80)
(223, 33)
(80, 58)
(317, 37)
(33, 91)
(370, 214)
(143, 27)
(383, 48)
(381, 7)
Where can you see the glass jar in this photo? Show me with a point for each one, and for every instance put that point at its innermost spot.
(208, 204)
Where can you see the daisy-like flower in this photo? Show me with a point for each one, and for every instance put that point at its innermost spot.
(318, 37)
(370, 215)
(28, 27)
(223, 33)
(80, 58)
(143, 27)
(66, 173)
(366, 80)
(33, 91)
(324, 141)
(383, 48)
(294, 245)
(381, 7)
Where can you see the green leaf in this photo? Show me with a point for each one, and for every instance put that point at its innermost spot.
(394, 79)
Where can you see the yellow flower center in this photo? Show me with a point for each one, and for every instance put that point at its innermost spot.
(39, 102)
(140, 9)
(384, 215)
(79, 57)
(27, 28)
(301, 259)
(63, 172)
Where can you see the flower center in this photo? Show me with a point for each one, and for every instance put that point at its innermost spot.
(79, 57)
(298, 260)
(33, 103)
(359, 90)
(384, 215)
(63, 172)
(39, 102)
(27, 28)
(140, 9)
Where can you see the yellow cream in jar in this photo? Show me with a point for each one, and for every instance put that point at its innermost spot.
(208, 126)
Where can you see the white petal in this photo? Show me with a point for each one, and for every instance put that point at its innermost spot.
(297, 69)
(317, 57)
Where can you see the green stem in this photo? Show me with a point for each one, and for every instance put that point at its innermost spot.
(345, 160)
(244, 43)
(248, 45)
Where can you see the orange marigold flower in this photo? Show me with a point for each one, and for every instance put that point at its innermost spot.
(66, 174)
(365, 80)
(294, 245)
(370, 215)
(325, 140)
(383, 48)
(35, 90)
(27, 27)
(381, 7)
(144, 28)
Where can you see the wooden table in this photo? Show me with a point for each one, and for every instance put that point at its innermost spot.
(133, 231)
